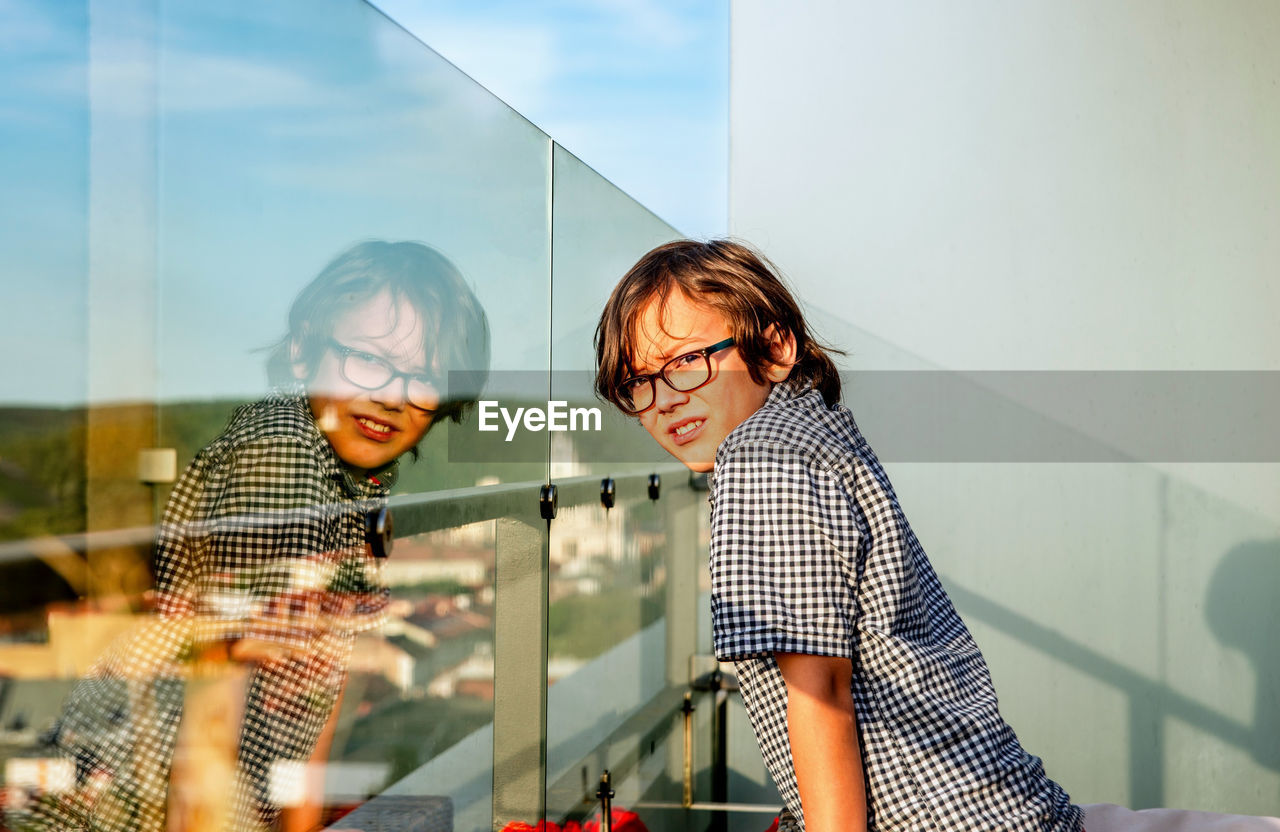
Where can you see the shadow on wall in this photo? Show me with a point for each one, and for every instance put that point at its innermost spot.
(1243, 612)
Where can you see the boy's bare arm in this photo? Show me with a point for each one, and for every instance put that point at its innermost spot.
(823, 730)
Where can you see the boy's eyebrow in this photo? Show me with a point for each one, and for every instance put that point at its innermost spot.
(372, 346)
(663, 357)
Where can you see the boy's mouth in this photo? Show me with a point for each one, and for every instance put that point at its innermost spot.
(375, 430)
(686, 431)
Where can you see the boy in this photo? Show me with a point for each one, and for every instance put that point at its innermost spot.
(870, 701)
(262, 559)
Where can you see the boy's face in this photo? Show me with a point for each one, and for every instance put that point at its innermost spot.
(691, 426)
(370, 428)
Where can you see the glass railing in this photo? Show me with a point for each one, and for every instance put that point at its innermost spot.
(222, 216)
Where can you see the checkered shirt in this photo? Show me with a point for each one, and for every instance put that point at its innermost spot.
(810, 553)
(263, 538)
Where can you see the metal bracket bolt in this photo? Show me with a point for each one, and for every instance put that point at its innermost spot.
(379, 531)
(605, 793)
(547, 498)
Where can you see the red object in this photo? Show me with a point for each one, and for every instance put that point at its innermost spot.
(623, 821)
(773, 827)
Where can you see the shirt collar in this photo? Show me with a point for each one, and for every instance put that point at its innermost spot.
(788, 390)
(375, 483)
(783, 392)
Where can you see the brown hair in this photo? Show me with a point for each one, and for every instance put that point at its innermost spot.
(458, 327)
(727, 276)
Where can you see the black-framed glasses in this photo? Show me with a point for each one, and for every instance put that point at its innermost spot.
(373, 372)
(684, 373)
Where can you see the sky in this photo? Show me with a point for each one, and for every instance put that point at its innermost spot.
(636, 89)
(283, 135)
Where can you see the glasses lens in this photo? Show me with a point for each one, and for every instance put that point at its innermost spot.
(687, 372)
(367, 371)
(422, 394)
(636, 394)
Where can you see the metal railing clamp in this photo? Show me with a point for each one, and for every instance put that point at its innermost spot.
(547, 497)
(379, 531)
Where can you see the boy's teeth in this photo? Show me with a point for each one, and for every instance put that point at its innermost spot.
(375, 426)
(683, 429)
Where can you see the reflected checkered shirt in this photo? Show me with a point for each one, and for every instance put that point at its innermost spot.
(810, 553)
(263, 537)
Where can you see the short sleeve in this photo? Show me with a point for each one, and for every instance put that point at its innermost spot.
(784, 559)
(245, 538)
(181, 540)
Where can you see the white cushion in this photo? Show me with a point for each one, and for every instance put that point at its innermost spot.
(1105, 817)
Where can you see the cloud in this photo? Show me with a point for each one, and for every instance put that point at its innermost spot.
(195, 82)
(25, 26)
(652, 21)
(636, 88)
(519, 62)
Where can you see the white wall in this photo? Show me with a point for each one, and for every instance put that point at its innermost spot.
(988, 185)
(1013, 185)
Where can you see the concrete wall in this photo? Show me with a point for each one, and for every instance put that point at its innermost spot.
(1054, 186)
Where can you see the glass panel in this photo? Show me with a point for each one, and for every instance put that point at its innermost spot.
(417, 713)
(236, 151)
(606, 625)
(242, 157)
(292, 132)
(292, 135)
(646, 764)
(599, 233)
(44, 99)
(611, 570)
(77, 218)
(44, 233)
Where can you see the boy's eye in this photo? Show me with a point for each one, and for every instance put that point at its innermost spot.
(633, 384)
(681, 362)
(369, 363)
(365, 369)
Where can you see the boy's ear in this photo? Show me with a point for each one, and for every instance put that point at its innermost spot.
(783, 349)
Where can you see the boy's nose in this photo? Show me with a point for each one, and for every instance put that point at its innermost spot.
(393, 394)
(667, 398)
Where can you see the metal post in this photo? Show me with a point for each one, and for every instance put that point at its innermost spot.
(122, 283)
(680, 516)
(680, 510)
(686, 799)
(605, 793)
(720, 758)
(520, 670)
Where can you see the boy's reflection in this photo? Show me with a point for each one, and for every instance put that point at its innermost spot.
(262, 562)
